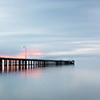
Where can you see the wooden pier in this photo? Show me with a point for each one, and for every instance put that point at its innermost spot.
(8, 63)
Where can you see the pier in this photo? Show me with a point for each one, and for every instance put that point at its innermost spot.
(7, 64)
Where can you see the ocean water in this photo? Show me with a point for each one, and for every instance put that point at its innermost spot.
(72, 82)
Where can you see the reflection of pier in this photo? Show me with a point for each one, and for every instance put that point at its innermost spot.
(8, 64)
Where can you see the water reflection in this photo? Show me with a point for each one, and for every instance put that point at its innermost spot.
(81, 82)
(34, 72)
(14, 67)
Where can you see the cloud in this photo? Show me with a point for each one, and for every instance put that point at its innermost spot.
(79, 51)
(55, 27)
(30, 52)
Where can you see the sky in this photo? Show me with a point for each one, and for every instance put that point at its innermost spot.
(50, 29)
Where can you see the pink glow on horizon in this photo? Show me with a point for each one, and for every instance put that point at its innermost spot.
(33, 52)
(6, 56)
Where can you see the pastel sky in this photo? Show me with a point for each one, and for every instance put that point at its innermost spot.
(51, 29)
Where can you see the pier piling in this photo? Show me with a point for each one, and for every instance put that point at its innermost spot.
(14, 63)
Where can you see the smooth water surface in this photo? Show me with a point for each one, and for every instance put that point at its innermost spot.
(78, 82)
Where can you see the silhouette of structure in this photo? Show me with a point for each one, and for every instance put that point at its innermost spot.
(8, 63)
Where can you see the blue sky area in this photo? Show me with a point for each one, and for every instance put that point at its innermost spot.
(53, 29)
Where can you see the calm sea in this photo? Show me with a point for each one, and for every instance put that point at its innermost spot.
(78, 82)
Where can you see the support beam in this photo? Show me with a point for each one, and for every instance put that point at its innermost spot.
(25, 64)
(44, 63)
(9, 65)
(15, 63)
(19, 64)
(22, 64)
(5, 65)
(0, 64)
(57, 62)
(31, 63)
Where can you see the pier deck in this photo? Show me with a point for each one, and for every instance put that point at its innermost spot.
(7, 63)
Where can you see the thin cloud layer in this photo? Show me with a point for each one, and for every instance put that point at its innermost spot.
(30, 52)
(54, 27)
